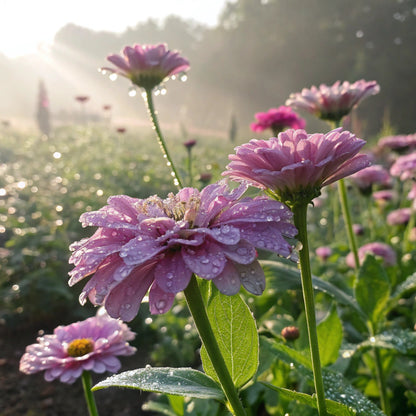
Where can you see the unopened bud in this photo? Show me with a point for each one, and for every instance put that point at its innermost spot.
(290, 333)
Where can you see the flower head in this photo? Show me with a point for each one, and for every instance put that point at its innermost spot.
(373, 175)
(93, 344)
(376, 249)
(404, 167)
(277, 119)
(189, 144)
(323, 252)
(82, 98)
(332, 102)
(296, 165)
(399, 216)
(384, 195)
(147, 65)
(159, 243)
(398, 143)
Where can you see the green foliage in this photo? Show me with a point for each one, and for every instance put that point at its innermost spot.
(330, 337)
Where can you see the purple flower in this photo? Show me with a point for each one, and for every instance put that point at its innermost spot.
(399, 216)
(323, 252)
(297, 164)
(370, 176)
(159, 243)
(147, 65)
(358, 229)
(332, 102)
(404, 167)
(399, 143)
(384, 196)
(189, 144)
(277, 119)
(91, 345)
(376, 249)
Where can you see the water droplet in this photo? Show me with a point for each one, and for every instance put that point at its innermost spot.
(372, 339)
(132, 91)
(148, 366)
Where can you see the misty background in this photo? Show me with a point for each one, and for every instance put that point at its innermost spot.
(260, 52)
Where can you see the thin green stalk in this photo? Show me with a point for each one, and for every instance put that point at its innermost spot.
(148, 98)
(196, 306)
(347, 219)
(189, 163)
(299, 217)
(89, 397)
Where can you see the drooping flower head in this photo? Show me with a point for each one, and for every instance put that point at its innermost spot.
(159, 243)
(147, 65)
(296, 165)
(277, 119)
(404, 167)
(381, 250)
(373, 175)
(333, 102)
(91, 345)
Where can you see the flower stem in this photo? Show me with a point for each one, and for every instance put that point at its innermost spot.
(347, 219)
(299, 217)
(89, 397)
(189, 163)
(148, 98)
(196, 306)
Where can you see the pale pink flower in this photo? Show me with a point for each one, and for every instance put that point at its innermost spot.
(277, 119)
(384, 195)
(147, 65)
(398, 143)
(90, 345)
(297, 164)
(358, 229)
(399, 216)
(404, 167)
(323, 252)
(372, 175)
(381, 250)
(332, 102)
(159, 243)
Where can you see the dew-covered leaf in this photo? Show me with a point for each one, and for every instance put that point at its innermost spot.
(409, 285)
(236, 333)
(399, 340)
(180, 381)
(329, 337)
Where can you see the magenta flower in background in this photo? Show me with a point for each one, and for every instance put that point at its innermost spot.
(296, 164)
(384, 195)
(412, 192)
(159, 243)
(373, 175)
(404, 167)
(91, 345)
(398, 143)
(399, 216)
(147, 65)
(358, 229)
(277, 119)
(376, 249)
(189, 144)
(323, 252)
(332, 102)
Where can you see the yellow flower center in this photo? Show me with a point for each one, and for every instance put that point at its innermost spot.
(80, 347)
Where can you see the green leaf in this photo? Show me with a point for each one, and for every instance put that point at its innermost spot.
(161, 408)
(333, 408)
(401, 340)
(177, 404)
(236, 333)
(180, 381)
(329, 337)
(372, 290)
(289, 277)
(409, 285)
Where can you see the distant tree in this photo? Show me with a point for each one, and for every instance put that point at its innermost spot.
(43, 114)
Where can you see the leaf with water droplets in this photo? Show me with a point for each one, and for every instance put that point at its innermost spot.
(330, 337)
(408, 286)
(400, 340)
(235, 330)
(180, 381)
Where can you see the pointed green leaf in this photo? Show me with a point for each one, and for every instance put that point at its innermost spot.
(161, 408)
(409, 285)
(329, 337)
(372, 290)
(180, 381)
(236, 333)
(333, 408)
(177, 404)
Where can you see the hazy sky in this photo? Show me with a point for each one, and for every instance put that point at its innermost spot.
(27, 24)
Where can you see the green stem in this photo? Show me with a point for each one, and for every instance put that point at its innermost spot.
(189, 162)
(347, 219)
(299, 217)
(153, 117)
(89, 397)
(196, 306)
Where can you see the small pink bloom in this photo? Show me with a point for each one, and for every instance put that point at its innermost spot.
(121, 130)
(376, 249)
(373, 175)
(399, 143)
(358, 229)
(147, 65)
(190, 144)
(91, 345)
(384, 195)
(277, 119)
(332, 102)
(323, 252)
(399, 216)
(106, 107)
(82, 98)
(296, 163)
(159, 243)
(404, 167)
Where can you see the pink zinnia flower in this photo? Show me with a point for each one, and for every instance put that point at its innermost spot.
(91, 345)
(296, 164)
(399, 216)
(384, 195)
(399, 143)
(147, 65)
(323, 252)
(373, 175)
(159, 243)
(332, 102)
(404, 167)
(277, 119)
(376, 249)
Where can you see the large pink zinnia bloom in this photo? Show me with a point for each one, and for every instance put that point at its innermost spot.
(148, 65)
(404, 167)
(296, 164)
(159, 243)
(91, 345)
(332, 102)
(376, 249)
(277, 119)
